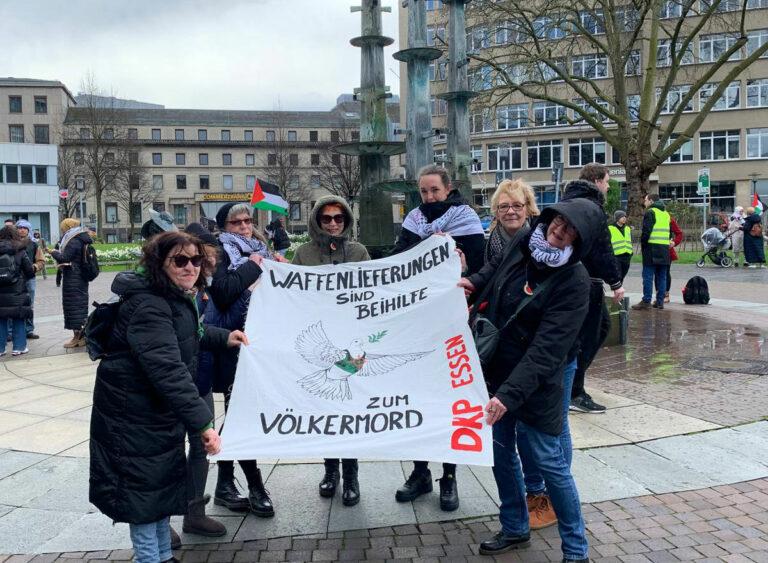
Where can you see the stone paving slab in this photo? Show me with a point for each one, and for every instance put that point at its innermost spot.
(90, 532)
(597, 481)
(12, 462)
(50, 436)
(25, 530)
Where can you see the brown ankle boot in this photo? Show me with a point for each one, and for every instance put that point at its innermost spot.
(540, 512)
(197, 523)
(74, 342)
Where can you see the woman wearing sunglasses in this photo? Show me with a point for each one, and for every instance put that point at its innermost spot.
(330, 227)
(145, 398)
(243, 249)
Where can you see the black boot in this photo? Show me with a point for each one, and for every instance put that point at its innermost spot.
(351, 491)
(197, 523)
(327, 487)
(226, 493)
(502, 543)
(449, 493)
(258, 496)
(418, 483)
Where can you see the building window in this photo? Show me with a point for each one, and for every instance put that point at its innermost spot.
(684, 153)
(545, 27)
(272, 159)
(79, 159)
(202, 159)
(314, 181)
(85, 133)
(671, 9)
(180, 214)
(756, 39)
(179, 134)
(41, 104)
(480, 78)
(226, 135)
(250, 160)
(508, 32)
(11, 174)
(133, 133)
(109, 158)
(506, 156)
(512, 117)
(292, 137)
(26, 174)
(14, 104)
(541, 154)
(757, 143)
(592, 21)
(675, 97)
(158, 206)
(634, 66)
(205, 182)
(437, 70)
(476, 153)
(41, 174)
(41, 135)
(546, 114)
(584, 151)
(181, 159)
(313, 136)
(226, 159)
(723, 6)
(438, 106)
(434, 33)
(719, 145)
(293, 159)
(249, 182)
(226, 183)
(590, 109)
(480, 121)
(439, 156)
(16, 133)
(355, 135)
(477, 38)
(295, 210)
(157, 158)
(757, 93)
(181, 182)
(712, 47)
(248, 135)
(433, 5)
(334, 136)
(202, 134)
(156, 134)
(157, 183)
(729, 99)
(270, 136)
(665, 56)
(314, 159)
(336, 159)
(108, 134)
(590, 66)
(755, 4)
(110, 210)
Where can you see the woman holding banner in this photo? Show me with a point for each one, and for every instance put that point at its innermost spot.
(442, 210)
(545, 281)
(236, 271)
(330, 227)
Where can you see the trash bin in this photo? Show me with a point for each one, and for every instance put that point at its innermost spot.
(619, 314)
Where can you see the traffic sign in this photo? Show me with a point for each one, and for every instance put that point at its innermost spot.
(703, 183)
(64, 194)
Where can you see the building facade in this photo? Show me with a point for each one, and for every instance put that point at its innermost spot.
(32, 113)
(523, 137)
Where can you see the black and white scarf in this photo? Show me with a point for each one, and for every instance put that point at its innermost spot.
(239, 248)
(458, 220)
(545, 253)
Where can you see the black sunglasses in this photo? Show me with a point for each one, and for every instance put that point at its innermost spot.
(326, 219)
(181, 260)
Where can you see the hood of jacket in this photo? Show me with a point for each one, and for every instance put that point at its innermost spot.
(126, 284)
(438, 208)
(316, 232)
(583, 214)
(583, 189)
(7, 247)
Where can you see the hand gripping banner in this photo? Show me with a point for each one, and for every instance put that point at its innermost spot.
(369, 360)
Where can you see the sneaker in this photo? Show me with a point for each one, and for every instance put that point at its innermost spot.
(642, 306)
(20, 352)
(657, 305)
(584, 403)
(540, 511)
(32, 336)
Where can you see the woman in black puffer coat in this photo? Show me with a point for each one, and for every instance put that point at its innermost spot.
(74, 291)
(145, 397)
(15, 305)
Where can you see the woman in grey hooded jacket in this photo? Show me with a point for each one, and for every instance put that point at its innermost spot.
(330, 225)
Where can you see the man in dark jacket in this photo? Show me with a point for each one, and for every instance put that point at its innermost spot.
(654, 243)
(280, 241)
(35, 254)
(601, 266)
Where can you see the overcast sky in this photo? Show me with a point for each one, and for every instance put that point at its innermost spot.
(212, 54)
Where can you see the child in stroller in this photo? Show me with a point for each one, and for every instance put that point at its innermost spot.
(715, 245)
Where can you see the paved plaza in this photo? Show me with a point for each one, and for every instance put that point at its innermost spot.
(676, 469)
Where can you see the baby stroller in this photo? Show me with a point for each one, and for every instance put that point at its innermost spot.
(715, 246)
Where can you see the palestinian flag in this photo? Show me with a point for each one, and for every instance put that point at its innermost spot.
(757, 203)
(266, 196)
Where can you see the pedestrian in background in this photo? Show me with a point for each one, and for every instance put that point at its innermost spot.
(655, 242)
(675, 239)
(754, 251)
(42, 246)
(737, 235)
(621, 241)
(37, 258)
(279, 236)
(15, 305)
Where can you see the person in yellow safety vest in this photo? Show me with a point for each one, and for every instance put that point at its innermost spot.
(621, 241)
(654, 242)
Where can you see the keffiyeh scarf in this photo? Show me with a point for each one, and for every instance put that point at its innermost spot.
(458, 220)
(545, 253)
(69, 235)
(238, 248)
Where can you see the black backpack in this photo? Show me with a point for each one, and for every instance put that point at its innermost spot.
(99, 328)
(696, 291)
(90, 268)
(9, 270)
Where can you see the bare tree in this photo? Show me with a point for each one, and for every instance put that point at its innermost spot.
(281, 161)
(339, 173)
(131, 188)
(626, 70)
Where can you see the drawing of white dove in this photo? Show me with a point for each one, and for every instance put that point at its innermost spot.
(338, 365)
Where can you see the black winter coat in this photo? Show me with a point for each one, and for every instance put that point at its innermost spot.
(600, 262)
(280, 240)
(14, 298)
(74, 290)
(654, 254)
(144, 400)
(526, 374)
(230, 293)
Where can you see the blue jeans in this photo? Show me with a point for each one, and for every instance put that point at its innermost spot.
(550, 459)
(29, 324)
(534, 482)
(659, 273)
(152, 542)
(16, 326)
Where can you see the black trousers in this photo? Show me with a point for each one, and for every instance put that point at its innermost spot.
(423, 466)
(624, 260)
(348, 466)
(593, 333)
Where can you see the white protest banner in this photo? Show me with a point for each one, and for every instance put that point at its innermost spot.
(369, 360)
